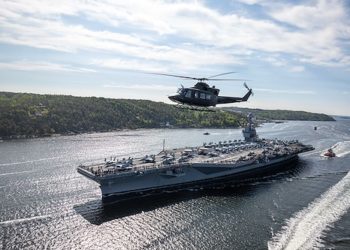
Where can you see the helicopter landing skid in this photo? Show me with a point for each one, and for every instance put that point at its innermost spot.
(195, 108)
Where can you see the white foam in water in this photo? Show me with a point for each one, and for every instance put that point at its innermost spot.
(341, 148)
(12, 173)
(25, 162)
(24, 219)
(304, 229)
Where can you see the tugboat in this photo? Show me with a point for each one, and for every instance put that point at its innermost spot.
(329, 153)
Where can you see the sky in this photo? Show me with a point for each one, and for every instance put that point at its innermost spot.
(294, 54)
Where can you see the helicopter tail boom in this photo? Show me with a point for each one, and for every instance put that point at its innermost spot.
(228, 99)
(246, 96)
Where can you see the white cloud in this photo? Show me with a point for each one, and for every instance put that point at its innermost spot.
(323, 26)
(198, 35)
(281, 62)
(51, 33)
(286, 91)
(136, 65)
(310, 15)
(253, 1)
(276, 61)
(141, 87)
(297, 69)
(41, 66)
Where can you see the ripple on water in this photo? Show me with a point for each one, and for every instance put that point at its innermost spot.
(304, 229)
(54, 207)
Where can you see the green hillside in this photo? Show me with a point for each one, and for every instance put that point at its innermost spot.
(28, 115)
(263, 114)
(40, 115)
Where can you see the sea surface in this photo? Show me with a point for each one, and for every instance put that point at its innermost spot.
(46, 204)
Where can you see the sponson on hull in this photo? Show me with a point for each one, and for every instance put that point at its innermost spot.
(202, 166)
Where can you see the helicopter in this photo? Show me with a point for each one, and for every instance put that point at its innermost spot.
(201, 96)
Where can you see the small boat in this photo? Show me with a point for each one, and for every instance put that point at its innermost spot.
(329, 153)
(315, 128)
(206, 133)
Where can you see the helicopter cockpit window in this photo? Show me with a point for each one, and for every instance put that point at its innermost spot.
(196, 94)
(202, 96)
(188, 93)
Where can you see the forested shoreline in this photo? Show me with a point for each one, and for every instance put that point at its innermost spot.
(281, 115)
(24, 115)
(32, 115)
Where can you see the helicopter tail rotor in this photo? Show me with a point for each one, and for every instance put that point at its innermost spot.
(249, 89)
(245, 85)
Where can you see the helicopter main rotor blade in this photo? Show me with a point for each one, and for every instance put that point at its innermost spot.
(185, 77)
(206, 79)
(227, 80)
(227, 73)
(199, 78)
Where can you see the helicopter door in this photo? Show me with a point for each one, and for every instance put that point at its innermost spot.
(188, 94)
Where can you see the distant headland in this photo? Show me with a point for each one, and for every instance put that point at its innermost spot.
(280, 115)
(24, 115)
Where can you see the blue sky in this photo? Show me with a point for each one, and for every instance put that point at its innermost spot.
(296, 54)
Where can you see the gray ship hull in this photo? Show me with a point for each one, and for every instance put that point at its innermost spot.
(196, 167)
(192, 176)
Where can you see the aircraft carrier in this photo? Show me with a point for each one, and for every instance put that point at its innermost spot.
(193, 167)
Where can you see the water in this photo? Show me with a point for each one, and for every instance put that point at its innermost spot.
(46, 204)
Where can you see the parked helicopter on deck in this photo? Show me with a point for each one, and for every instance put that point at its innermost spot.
(201, 95)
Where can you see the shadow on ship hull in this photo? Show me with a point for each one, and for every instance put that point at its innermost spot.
(101, 211)
(208, 183)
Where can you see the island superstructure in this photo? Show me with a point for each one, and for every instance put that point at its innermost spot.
(203, 166)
